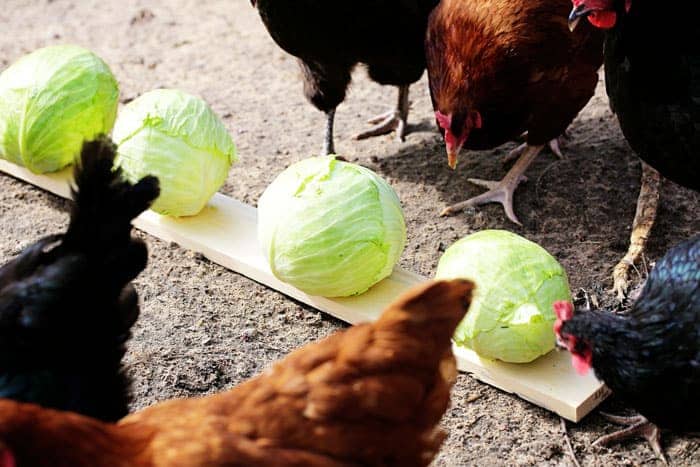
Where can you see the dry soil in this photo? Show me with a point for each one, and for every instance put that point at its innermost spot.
(204, 328)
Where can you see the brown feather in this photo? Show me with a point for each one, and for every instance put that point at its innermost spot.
(516, 63)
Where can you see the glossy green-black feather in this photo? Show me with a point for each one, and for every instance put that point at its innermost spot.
(651, 355)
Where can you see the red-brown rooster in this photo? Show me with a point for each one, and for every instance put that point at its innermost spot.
(500, 68)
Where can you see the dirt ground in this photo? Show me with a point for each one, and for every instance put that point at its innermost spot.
(204, 328)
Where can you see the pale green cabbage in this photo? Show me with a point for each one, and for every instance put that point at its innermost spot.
(179, 139)
(517, 281)
(51, 101)
(330, 228)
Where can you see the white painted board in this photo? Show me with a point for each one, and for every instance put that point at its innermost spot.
(226, 233)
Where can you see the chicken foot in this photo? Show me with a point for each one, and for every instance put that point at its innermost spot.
(554, 146)
(392, 120)
(636, 426)
(501, 191)
(647, 204)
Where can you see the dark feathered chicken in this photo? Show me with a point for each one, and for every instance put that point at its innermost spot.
(66, 305)
(652, 76)
(498, 68)
(650, 356)
(330, 37)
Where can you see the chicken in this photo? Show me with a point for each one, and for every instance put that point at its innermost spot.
(649, 356)
(498, 69)
(369, 395)
(652, 76)
(331, 38)
(66, 303)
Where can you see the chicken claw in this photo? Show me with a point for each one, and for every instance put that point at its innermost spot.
(501, 191)
(554, 146)
(647, 204)
(636, 426)
(392, 120)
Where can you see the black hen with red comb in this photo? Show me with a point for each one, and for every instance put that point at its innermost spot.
(650, 356)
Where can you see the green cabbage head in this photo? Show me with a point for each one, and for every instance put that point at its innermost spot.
(50, 102)
(330, 228)
(179, 139)
(517, 281)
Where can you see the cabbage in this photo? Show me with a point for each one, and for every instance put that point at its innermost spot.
(179, 139)
(330, 228)
(50, 102)
(517, 281)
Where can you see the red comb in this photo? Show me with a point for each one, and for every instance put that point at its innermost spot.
(564, 310)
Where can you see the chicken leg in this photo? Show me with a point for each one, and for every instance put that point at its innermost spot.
(647, 204)
(328, 146)
(636, 426)
(502, 191)
(392, 120)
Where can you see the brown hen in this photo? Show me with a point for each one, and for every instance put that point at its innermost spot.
(369, 395)
(502, 68)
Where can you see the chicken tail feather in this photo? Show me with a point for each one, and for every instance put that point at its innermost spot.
(68, 298)
(427, 315)
(392, 377)
(433, 301)
(105, 203)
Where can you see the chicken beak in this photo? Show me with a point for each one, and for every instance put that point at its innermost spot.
(573, 23)
(452, 155)
(580, 11)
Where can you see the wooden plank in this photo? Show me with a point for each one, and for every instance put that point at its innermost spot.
(550, 381)
(226, 233)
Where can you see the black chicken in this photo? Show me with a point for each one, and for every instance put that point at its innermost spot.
(652, 76)
(330, 37)
(66, 302)
(649, 356)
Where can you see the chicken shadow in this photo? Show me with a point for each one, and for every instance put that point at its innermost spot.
(591, 193)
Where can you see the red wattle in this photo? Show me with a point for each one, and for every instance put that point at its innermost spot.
(557, 326)
(580, 364)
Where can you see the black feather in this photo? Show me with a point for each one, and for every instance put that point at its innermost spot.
(66, 303)
(331, 37)
(652, 74)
